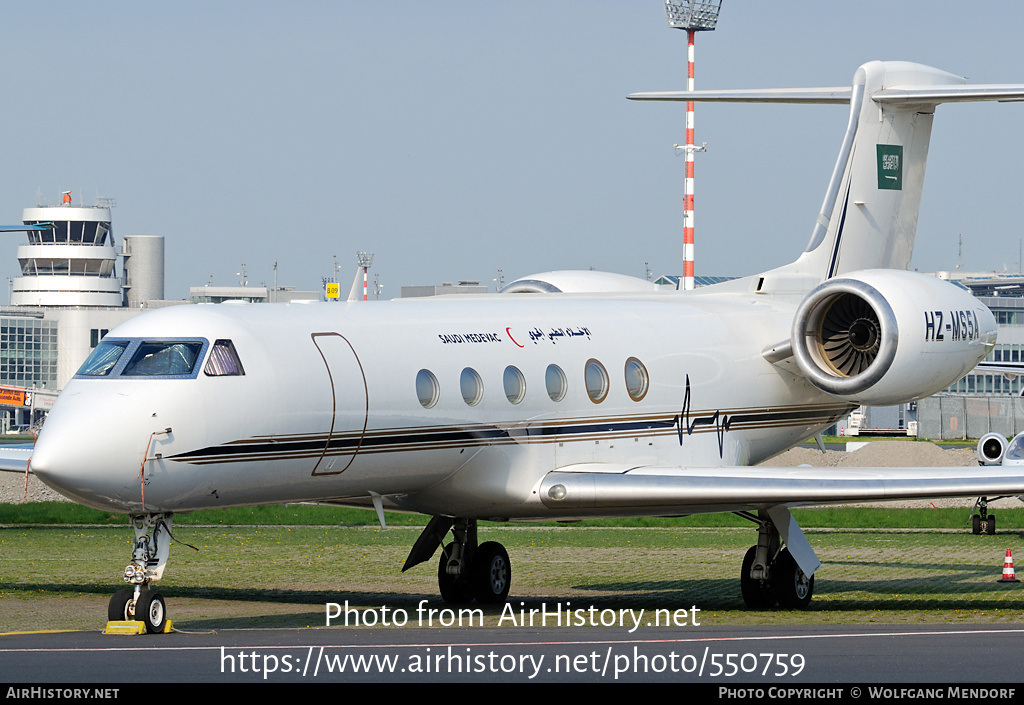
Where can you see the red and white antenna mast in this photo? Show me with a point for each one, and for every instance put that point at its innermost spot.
(365, 261)
(693, 16)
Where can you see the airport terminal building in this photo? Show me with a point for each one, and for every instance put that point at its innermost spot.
(68, 296)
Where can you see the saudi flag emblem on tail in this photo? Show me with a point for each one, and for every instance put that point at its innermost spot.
(890, 166)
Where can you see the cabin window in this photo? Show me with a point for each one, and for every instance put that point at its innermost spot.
(223, 361)
(515, 384)
(103, 358)
(636, 379)
(596, 379)
(427, 389)
(160, 358)
(554, 380)
(472, 386)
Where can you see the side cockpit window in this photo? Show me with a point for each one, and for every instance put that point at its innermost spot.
(163, 358)
(103, 358)
(223, 361)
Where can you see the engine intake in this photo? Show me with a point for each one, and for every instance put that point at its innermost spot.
(845, 336)
(991, 449)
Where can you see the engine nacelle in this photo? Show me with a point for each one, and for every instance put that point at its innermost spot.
(882, 336)
(991, 449)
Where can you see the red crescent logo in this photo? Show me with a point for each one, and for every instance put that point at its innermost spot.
(509, 332)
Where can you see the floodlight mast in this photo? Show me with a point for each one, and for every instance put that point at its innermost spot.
(365, 261)
(693, 16)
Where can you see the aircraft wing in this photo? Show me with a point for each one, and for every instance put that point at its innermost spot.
(14, 457)
(1009, 369)
(593, 489)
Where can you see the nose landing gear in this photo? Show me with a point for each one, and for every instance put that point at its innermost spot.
(140, 603)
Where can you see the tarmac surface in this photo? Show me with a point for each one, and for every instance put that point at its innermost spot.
(779, 657)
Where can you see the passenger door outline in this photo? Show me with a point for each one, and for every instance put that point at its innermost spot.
(343, 366)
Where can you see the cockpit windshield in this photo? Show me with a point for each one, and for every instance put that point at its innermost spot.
(155, 358)
(104, 358)
(163, 358)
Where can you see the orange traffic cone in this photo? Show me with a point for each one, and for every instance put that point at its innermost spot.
(1008, 576)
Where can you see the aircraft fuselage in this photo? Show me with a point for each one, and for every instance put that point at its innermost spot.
(329, 406)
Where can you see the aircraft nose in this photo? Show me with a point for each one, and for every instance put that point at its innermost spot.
(75, 457)
(63, 464)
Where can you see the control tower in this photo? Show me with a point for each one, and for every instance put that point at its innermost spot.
(71, 264)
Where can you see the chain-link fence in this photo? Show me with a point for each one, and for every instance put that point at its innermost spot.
(960, 416)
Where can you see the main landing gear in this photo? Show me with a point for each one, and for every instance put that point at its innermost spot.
(983, 522)
(140, 603)
(467, 570)
(770, 574)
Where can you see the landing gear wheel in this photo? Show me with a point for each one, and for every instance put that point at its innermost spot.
(455, 590)
(975, 524)
(757, 594)
(990, 526)
(121, 607)
(151, 609)
(491, 573)
(793, 588)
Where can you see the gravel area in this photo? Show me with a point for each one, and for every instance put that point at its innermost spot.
(12, 490)
(892, 454)
(879, 454)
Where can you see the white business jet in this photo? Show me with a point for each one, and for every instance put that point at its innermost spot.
(570, 395)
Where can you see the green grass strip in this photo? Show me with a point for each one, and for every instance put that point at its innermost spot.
(57, 513)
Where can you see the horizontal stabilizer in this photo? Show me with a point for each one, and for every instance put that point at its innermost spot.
(826, 96)
(918, 95)
(935, 95)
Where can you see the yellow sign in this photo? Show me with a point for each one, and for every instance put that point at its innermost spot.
(334, 291)
(12, 396)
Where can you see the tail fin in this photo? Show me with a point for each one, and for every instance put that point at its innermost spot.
(869, 216)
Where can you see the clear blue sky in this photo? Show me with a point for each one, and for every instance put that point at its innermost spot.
(456, 138)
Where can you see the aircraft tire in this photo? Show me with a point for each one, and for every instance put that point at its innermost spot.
(757, 594)
(152, 611)
(990, 527)
(976, 525)
(491, 573)
(454, 590)
(120, 608)
(793, 588)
